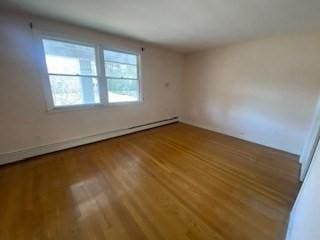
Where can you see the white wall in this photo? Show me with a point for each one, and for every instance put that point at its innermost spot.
(263, 91)
(24, 120)
(305, 216)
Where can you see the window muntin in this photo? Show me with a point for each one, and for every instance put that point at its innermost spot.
(72, 73)
(122, 74)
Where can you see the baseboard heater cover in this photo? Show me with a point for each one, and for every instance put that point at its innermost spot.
(19, 155)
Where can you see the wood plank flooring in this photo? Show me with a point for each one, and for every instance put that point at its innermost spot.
(172, 182)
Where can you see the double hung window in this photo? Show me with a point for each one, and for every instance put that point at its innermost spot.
(74, 77)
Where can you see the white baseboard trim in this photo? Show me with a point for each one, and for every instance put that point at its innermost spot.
(235, 136)
(289, 227)
(19, 155)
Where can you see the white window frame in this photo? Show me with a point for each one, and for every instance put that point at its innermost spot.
(101, 76)
(138, 55)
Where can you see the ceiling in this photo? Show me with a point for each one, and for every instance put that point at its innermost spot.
(183, 25)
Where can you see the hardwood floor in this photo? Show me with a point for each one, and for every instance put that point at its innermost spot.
(173, 182)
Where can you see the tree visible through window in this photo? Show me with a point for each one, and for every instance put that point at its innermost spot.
(74, 78)
(72, 73)
(122, 76)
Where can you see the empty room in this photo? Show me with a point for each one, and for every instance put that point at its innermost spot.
(160, 120)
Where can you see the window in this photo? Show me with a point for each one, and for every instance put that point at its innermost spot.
(122, 76)
(72, 73)
(74, 79)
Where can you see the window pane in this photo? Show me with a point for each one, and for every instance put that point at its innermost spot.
(120, 57)
(69, 58)
(123, 90)
(118, 70)
(122, 76)
(68, 91)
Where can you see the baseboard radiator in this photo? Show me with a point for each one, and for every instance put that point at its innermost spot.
(22, 154)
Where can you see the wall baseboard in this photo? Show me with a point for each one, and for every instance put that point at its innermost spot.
(235, 136)
(23, 154)
(289, 226)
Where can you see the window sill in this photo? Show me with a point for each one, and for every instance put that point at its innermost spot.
(117, 104)
(91, 106)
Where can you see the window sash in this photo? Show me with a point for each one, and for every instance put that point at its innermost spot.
(122, 78)
(137, 79)
(74, 90)
(129, 64)
(125, 64)
(73, 75)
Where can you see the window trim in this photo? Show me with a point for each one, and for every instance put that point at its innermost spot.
(138, 55)
(100, 68)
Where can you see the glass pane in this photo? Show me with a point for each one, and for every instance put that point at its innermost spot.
(118, 70)
(120, 57)
(123, 90)
(68, 91)
(69, 58)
